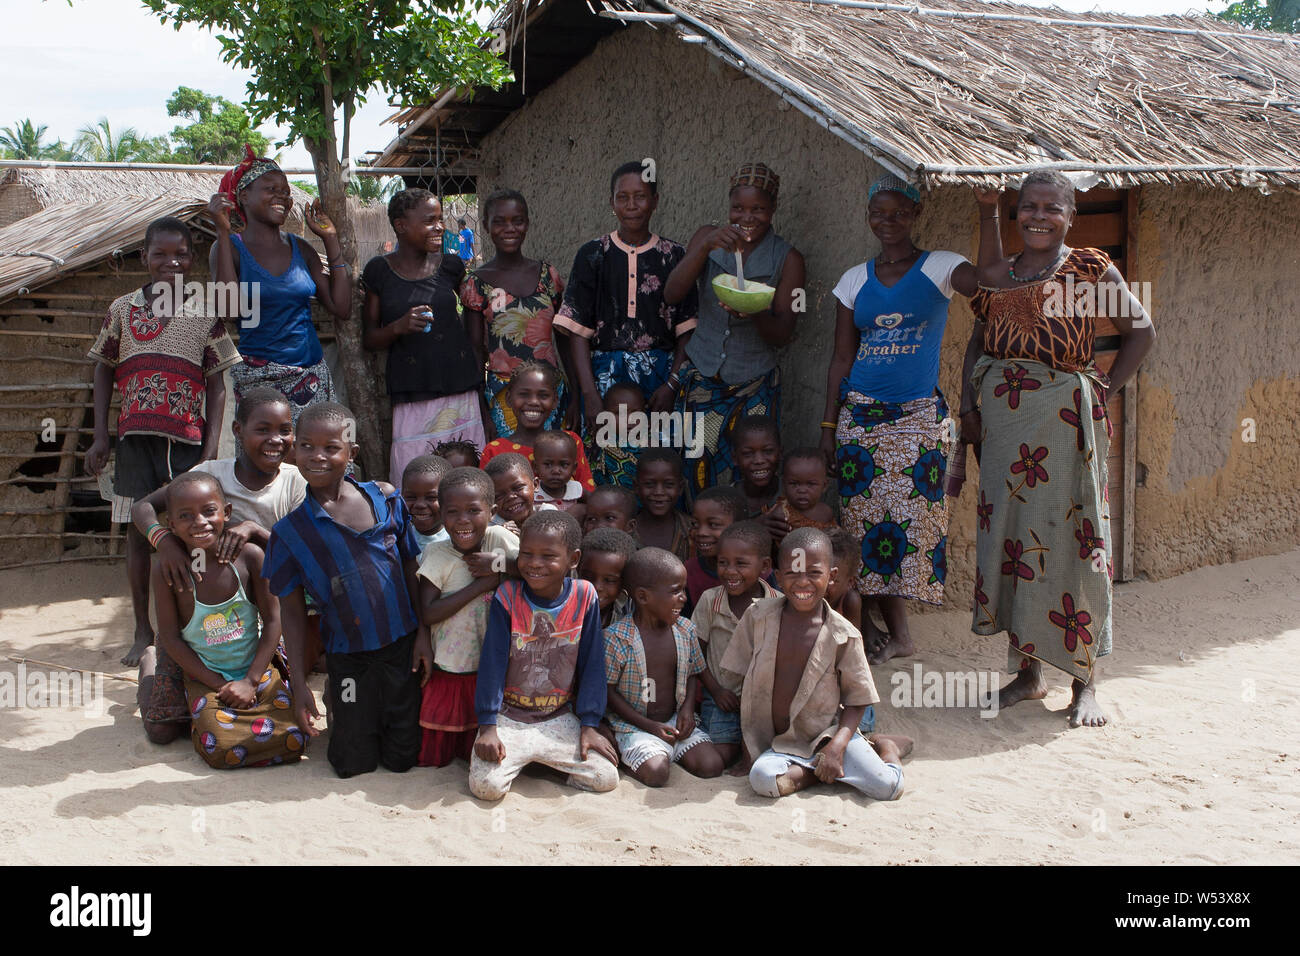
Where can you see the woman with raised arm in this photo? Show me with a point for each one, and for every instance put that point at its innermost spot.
(1034, 406)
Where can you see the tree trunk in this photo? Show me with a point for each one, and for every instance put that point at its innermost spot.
(364, 380)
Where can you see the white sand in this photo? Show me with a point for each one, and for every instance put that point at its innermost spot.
(1198, 764)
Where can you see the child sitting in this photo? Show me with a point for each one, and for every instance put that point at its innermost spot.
(605, 553)
(615, 462)
(261, 488)
(533, 393)
(541, 679)
(647, 654)
(352, 547)
(744, 561)
(803, 482)
(515, 490)
(238, 699)
(780, 644)
(420, 480)
(458, 576)
(555, 456)
(458, 454)
(714, 511)
(165, 356)
(611, 506)
(659, 484)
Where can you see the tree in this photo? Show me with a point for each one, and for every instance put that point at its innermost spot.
(310, 60)
(23, 140)
(96, 143)
(1280, 16)
(218, 131)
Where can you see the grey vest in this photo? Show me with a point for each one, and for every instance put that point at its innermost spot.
(725, 347)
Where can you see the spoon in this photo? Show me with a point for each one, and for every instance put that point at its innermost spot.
(740, 272)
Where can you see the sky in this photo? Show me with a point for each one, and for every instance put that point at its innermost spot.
(68, 65)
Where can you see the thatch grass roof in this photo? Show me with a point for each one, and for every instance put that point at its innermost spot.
(963, 90)
(91, 214)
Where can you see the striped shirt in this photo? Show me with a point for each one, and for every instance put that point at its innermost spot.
(625, 667)
(356, 578)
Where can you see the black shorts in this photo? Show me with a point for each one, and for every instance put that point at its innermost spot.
(375, 718)
(147, 462)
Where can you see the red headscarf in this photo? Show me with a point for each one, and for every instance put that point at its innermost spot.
(243, 175)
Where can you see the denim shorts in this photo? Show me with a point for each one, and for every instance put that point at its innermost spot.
(721, 726)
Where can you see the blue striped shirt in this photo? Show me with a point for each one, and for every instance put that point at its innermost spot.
(355, 577)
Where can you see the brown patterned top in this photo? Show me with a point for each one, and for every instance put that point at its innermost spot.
(1045, 321)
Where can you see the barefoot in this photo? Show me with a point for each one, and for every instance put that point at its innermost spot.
(873, 638)
(143, 639)
(1084, 709)
(796, 778)
(892, 647)
(1028, 685)
(892, 747)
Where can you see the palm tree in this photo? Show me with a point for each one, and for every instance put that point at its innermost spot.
(97, 144)
(23, 140)
(373, 188)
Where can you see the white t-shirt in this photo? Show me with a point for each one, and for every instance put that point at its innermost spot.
(938, 267)
(285, 492)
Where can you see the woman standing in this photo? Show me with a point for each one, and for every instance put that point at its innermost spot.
(435, 372)
(730, 369)
(1042, 433)
(883, 427)
(619, 326)
(513, 300)
(277, 339)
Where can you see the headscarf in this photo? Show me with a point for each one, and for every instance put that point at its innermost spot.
(889, 183)
(245, 174)
(758, 175)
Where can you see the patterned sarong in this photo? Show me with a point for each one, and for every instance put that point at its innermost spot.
(1043, 546)
(263, 734)
(420, 427)
(301, 386)
(716, 407)
(891, 459)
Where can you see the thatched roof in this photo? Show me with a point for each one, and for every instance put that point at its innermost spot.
(91, 214)
(964, 90)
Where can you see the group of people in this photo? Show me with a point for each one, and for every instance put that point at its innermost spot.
(518, 592)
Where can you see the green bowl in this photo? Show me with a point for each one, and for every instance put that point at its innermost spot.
(755, 298)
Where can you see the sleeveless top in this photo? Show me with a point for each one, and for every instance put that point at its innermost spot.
(280, 330)
(725, 347)
(225, 635)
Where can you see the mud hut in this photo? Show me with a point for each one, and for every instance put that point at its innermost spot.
(1186, 130)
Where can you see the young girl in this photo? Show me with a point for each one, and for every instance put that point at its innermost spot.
(513, 299)
(261, 488)
(619, 326)
(278, 342)
(434, 359)
(458, 577)
(225, 643)
(533, 392)
(458, 454)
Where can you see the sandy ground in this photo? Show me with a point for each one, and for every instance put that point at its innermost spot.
(1199, 764)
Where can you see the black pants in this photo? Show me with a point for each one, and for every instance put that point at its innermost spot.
(374, 709)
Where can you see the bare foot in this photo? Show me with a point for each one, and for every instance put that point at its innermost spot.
(892, 747)
(143, 639)
(892, 647)
(1084, 709)
(740, 769)
(1028, 685)
(795, 779)
(873, 638)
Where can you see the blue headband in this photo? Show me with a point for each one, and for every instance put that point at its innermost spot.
(889, 183)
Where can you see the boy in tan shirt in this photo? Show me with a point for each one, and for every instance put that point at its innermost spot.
(806, 685)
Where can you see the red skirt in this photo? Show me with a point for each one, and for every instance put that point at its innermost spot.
(447, 717)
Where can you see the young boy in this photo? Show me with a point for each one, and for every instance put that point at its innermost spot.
(165, 356)
(458, 576)
(659, 484)
(647, 654)
(605, 553)
(611, 506)
(757, 446)
(420, 480)
(744, 561)
(555, 457)
(516, 490)
(541, 677)
(352, 547)
(803, 481)
(714, 511)
(806, 683)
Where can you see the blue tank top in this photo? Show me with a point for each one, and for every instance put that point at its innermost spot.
(225, 636)
(281, 330)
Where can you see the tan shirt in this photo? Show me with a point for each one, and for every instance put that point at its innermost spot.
(835, 675)
(714, 625)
